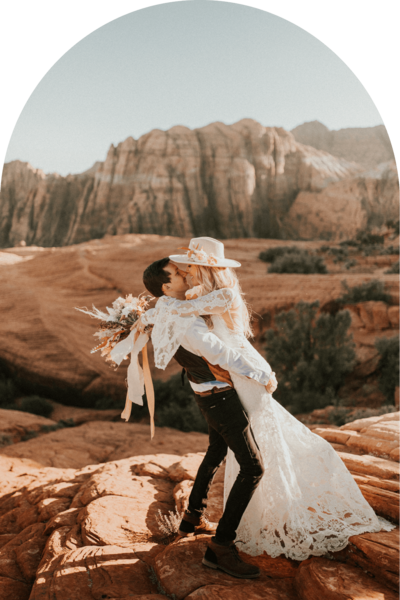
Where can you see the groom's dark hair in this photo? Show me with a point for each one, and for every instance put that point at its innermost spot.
(154, 277)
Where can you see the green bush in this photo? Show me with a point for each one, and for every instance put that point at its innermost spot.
(338, 416)
(388, 366)
(176, 406)
(342, 414)
(393, 225)
(352, 243)
(271, 254)
(61, 424)
(339, 254)
(106, 403)
(36, 405)
(5, 440)
(393, 270)
(298, 263)
(310, 355)
(390, 250)
(365, 238)
(350, 263)
(137, 411)
(371, 290)
(8, 393)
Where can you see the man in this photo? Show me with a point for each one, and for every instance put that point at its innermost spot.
(207, 362)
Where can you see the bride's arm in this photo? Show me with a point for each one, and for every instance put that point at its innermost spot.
(214, 303)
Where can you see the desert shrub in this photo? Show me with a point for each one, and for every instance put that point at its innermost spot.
(371, 290)
(339, 415)
(339, 254)
(372, 250)
(36, 405)
(342, 414)
(365, 238)
(393, 270)
(271, 254)
(311, 356)
(352, 243)
(298, 263)
(176, 406)
(388, 366)
(8, 393)
(365, 242)
(393, 225)
(366, 413)
(107, 403)
(390, 250)
(5, 439)
(137, 411)
(350, 263)
(61, 424)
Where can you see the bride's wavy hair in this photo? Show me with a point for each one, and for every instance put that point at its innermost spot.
(216, 278)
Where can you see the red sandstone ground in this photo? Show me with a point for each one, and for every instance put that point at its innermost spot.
(79, 518)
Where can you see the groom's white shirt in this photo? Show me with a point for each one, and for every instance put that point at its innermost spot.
(199, 340)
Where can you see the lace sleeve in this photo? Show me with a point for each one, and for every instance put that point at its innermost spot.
(172, 319)
(214, 303)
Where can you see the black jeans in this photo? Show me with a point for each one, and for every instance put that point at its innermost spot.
(228, 426)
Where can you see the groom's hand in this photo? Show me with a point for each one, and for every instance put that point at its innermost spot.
(272, 384)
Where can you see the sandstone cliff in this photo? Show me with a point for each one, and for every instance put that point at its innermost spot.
(367, 146)
(345, 207)
(219, 180)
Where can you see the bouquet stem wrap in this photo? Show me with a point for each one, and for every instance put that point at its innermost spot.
(138, 379)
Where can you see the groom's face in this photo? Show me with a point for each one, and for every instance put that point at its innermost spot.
(177, 284)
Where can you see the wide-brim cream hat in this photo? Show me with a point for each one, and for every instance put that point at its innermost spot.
(205, 252)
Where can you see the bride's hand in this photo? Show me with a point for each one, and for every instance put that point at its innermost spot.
(272, 384)
(194, 292)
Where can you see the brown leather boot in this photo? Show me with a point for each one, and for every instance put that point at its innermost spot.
(196, 524)
(227, 559)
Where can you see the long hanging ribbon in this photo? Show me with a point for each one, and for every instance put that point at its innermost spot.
(138, 380)
(148, 382)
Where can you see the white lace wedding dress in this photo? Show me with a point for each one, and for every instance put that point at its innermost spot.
(307, 502)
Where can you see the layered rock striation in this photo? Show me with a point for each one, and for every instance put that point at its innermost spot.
(224, 181)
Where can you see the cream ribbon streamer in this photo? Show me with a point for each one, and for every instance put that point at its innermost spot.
(137, 379)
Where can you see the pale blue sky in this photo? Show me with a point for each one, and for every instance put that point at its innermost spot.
(184, 63)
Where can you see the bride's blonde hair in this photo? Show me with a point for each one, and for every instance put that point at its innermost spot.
(216, 278)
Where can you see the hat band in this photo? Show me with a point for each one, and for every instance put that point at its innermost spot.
(200, 256)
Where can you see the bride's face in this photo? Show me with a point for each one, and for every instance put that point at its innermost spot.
(191, 276)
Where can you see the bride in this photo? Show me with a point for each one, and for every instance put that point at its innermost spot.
(307, 502)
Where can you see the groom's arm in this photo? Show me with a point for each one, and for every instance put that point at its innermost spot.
(201, 341)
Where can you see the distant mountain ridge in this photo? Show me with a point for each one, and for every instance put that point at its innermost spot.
(225, 181)
(367, 146)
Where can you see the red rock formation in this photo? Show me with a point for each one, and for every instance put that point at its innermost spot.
(220, 180)
(346, 207)
(367, 146)
(95, 532)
